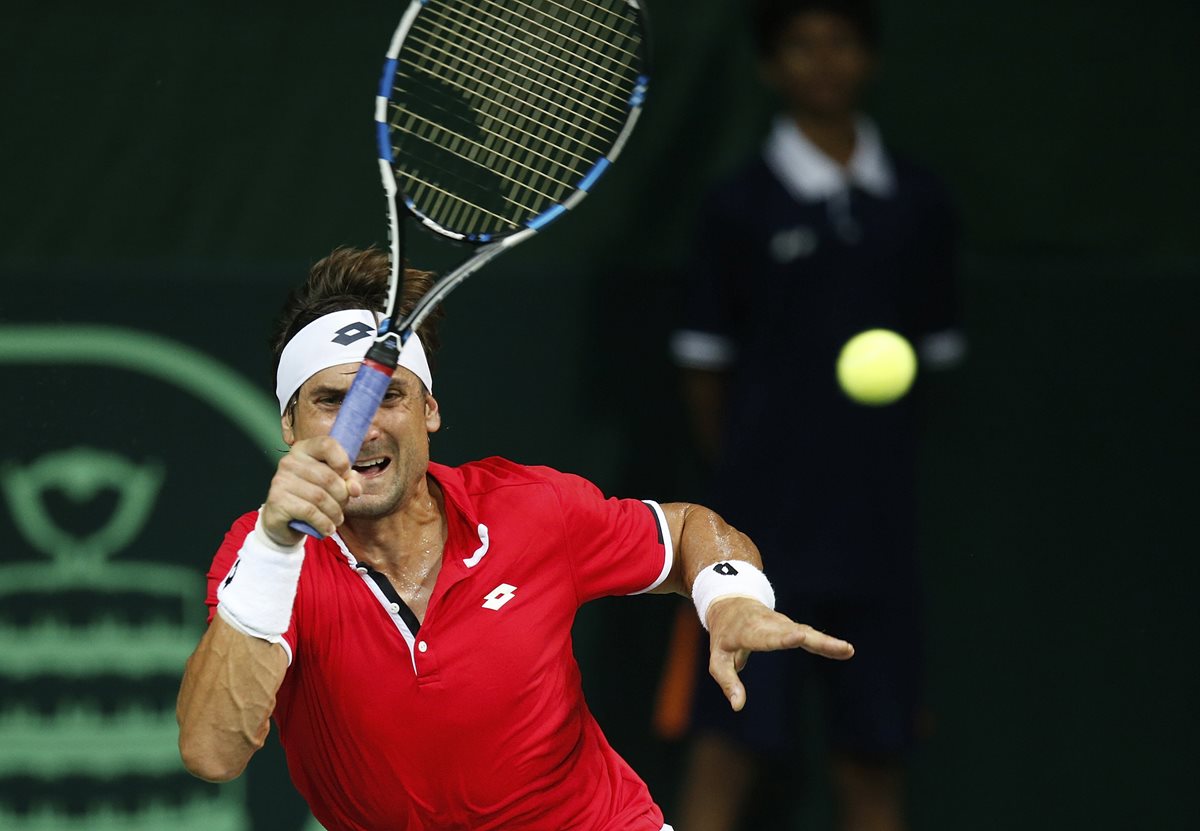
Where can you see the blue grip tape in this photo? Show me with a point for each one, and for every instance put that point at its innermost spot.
(305, 528)
(354, 419)
(358, 408)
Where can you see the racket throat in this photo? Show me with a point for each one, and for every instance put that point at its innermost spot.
(384, 354)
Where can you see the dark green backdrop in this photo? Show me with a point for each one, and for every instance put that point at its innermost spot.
(172, 167)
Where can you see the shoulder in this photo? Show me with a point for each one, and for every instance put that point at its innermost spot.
(241, 528)
(227, 553)
(232, 543)
(494, 475)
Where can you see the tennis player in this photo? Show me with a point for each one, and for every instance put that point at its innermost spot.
(417, 661)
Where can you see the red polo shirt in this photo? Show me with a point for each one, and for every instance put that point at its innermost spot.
(477, 720)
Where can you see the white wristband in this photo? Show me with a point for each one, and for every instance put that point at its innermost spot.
(256, 596)
(731, 578)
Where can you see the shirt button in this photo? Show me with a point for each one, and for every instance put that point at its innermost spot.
(361, 569)
(395, 607)
(422, 646)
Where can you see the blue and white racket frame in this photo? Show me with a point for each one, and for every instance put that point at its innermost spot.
(374, 375)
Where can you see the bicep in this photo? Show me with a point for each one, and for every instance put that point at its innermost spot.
(675, 514)
(700, 537)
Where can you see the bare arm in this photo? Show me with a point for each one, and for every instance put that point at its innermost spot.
(230, 682)
(737, 625)
(700, 538)
(226, 700)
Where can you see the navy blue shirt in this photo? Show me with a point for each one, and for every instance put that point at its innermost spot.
(826, 487)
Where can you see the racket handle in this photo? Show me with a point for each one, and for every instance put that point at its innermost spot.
(358, 410)
(305, 528)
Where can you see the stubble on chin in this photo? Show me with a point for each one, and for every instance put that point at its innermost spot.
(395, 492)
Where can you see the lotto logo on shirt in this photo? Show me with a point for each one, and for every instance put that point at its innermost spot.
(498, 596)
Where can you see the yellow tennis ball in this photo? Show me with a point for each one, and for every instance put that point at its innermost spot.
(876, 367)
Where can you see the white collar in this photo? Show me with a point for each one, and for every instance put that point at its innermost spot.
(811, 176)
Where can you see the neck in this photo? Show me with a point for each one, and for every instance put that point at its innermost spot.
(409, 537)
(834, 134)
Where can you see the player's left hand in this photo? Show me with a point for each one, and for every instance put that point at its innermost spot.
(738, 626)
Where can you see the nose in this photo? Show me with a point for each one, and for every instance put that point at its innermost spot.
(373, 430)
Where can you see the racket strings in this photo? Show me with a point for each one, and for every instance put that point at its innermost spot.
(473, 75)
(502, 106)
(586, 40)
(453, 148)
(477, 153)
(489, 44)
(460, 55)
(566, 58)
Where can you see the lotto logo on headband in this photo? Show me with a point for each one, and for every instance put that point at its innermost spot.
(352, 332)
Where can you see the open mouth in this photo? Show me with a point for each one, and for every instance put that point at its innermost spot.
(372, 467)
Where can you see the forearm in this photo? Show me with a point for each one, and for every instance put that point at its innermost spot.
(700, 538)
(226, 700)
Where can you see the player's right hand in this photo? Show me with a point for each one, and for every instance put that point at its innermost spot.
(313, 483)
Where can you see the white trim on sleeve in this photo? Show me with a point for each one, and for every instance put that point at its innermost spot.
(664, 531)
(287, 647)
(693, 349)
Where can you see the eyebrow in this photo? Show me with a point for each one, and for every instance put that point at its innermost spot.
(327, 389)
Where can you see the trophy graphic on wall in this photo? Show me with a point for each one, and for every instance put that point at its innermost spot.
(92, 645)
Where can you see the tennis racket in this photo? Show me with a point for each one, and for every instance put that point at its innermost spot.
(493, 119)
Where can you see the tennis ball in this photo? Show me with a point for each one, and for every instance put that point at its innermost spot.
(876, 367)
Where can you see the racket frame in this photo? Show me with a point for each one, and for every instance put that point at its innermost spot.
(374, 375)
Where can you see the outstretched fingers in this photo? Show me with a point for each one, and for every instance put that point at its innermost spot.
(770, 632)
(739, 626)
(722, 666)
(805, 637)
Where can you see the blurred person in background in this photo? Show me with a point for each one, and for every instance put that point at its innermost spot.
(824, 234)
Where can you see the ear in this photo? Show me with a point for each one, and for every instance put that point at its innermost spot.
(433, 415)
(285, 422)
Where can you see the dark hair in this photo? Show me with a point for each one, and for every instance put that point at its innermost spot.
(770, 17)
(351, 278)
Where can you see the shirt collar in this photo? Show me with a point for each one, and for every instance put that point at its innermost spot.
(458, 501)
(811, 176)
(454, 489)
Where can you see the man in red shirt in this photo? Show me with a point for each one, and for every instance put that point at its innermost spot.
(418, 661)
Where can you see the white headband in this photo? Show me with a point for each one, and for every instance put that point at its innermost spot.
(338, 338)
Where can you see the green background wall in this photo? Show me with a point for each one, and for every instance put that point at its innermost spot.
(172, 167)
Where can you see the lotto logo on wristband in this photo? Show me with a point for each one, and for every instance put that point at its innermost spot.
(727, 579)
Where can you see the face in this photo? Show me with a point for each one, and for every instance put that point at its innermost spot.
(395, 451)
(820, 65)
